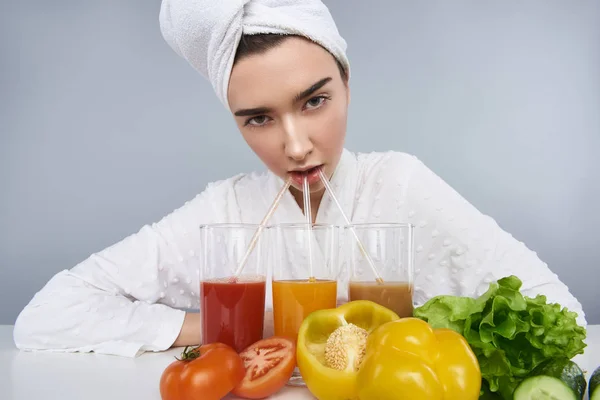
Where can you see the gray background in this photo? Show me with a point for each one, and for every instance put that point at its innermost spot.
(103, 128)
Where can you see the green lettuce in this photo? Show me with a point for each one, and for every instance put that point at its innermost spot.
(510, 334)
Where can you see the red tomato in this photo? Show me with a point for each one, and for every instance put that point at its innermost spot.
(207, 372)
(269, 365)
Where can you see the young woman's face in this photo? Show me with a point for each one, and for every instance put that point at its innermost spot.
(291, 104)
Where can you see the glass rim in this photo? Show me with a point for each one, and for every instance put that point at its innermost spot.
(301, 225)
(381, 225)
(229, 225)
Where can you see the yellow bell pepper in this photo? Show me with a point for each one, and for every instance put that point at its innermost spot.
(352, 353)
(408, 359)
(313, 352)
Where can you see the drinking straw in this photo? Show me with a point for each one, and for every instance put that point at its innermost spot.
(260, 228)
(378, 277)
(308, 214)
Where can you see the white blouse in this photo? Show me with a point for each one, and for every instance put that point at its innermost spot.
(131, 297)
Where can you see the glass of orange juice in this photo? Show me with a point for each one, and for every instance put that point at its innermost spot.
(389, 247)
(304, 267)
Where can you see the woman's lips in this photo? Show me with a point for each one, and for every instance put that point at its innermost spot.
(312, 175)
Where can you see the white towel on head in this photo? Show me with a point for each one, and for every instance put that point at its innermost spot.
(206, 32)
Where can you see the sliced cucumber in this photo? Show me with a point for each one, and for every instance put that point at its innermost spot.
(543, 387)
(565, 370)
(595, 385)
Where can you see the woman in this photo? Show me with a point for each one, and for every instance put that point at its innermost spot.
(280, 67)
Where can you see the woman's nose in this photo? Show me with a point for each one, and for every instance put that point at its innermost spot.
(297, 140)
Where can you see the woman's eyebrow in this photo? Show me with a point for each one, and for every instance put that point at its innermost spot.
(265, 110)
(313, 88)
(252, 111)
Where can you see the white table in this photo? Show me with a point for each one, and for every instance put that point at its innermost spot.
(89, 376)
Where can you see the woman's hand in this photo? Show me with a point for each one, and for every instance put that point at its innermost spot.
(268, 328)
(191, 331)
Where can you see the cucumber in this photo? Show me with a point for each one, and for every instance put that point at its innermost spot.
(595, 385)
(565, 370)
(543, 387)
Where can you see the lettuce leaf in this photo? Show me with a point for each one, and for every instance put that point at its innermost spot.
(510, 334)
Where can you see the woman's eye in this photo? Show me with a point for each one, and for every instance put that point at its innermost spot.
(258, 121)
(315, 102)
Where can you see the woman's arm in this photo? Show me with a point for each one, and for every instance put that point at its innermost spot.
(460, 251)
(124, 299)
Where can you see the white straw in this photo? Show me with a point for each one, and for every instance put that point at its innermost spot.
(262, 225)
(378, 277)
(308, 214)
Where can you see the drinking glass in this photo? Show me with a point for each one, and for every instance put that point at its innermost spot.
(232, 307)
(304, 265)
(390, 247)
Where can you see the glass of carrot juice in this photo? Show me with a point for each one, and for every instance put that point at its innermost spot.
(390, 249)
(304, 265)
(232, 298)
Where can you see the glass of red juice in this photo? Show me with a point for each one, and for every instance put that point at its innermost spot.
(232, 306)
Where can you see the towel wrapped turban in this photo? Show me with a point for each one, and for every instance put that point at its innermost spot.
(206, 33)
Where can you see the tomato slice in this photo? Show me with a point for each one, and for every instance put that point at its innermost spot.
(269, 365)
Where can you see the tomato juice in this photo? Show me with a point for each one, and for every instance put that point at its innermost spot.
(232, 311)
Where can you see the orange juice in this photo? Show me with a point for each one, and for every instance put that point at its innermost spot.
(294, 300)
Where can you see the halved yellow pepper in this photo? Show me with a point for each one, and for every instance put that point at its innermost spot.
(326, 383)
(394, 359)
